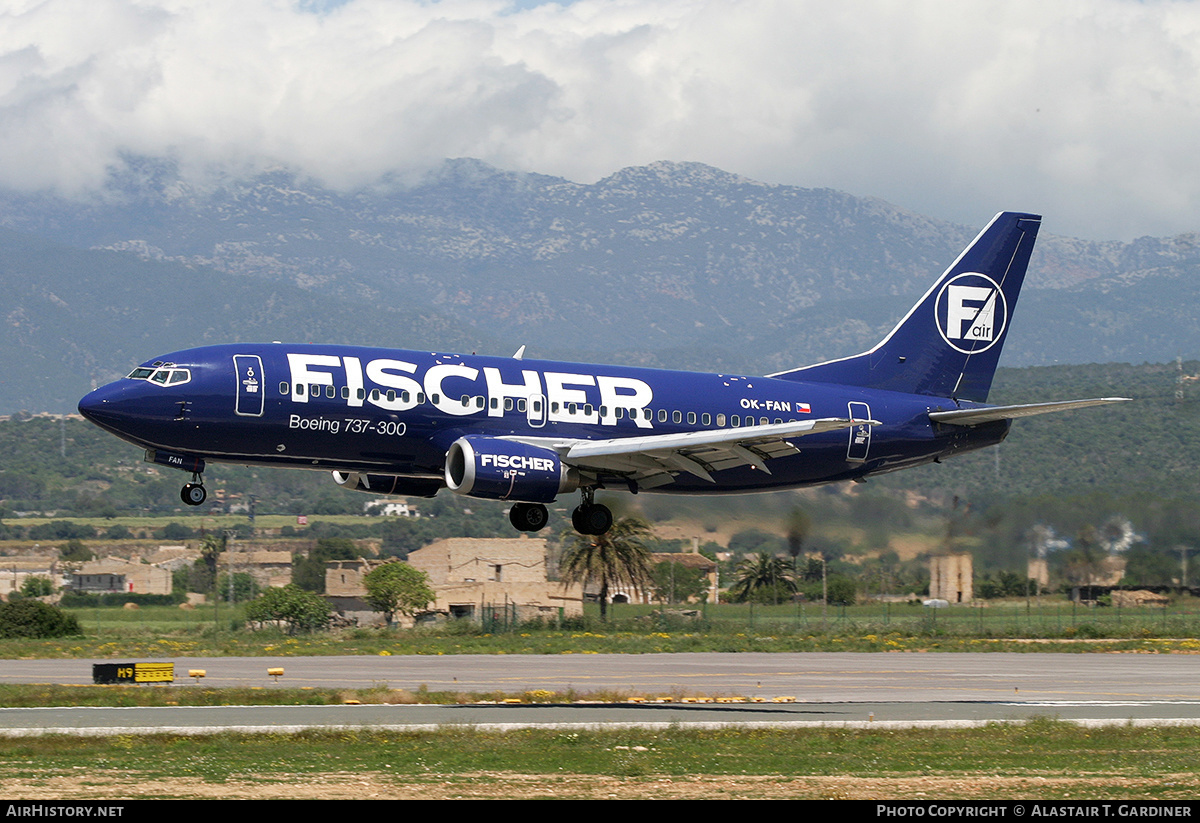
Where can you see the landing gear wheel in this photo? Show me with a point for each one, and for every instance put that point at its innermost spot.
(193, 494)
(528, 517)
(591, 518)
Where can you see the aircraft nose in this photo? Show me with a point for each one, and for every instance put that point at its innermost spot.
(100, 406)
(123, 407)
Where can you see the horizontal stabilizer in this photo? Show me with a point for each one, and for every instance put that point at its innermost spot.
(974, 417)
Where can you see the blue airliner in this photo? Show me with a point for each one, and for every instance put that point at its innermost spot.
(399, 422)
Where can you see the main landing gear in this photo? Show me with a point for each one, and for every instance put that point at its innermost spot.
(193, 493)
(528, 517)
(588, 517)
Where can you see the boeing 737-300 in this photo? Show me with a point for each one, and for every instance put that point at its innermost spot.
(397, 422)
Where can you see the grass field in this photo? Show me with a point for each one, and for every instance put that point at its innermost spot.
(156, 631)
(1042, 759)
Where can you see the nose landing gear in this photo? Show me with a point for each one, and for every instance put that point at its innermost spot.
(194, 493)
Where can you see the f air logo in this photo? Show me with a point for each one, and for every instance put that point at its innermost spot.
(971, 313)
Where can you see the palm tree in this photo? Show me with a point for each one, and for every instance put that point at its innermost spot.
(617, 558)
(762, 572)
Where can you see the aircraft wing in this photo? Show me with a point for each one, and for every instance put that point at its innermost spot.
(654, 460)
(974, 417)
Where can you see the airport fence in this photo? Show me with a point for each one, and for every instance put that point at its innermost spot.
(1025, 620)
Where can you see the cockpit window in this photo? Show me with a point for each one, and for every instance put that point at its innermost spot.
(166, 376)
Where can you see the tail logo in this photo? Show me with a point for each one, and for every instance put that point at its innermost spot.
(971, 313)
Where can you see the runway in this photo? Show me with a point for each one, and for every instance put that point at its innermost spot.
(827, 689)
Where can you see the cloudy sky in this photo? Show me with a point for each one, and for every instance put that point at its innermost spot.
(1087, 111)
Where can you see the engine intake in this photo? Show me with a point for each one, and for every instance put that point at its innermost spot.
(497, 469)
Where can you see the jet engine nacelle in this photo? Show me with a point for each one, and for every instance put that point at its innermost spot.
(497, 469)
(388, 484)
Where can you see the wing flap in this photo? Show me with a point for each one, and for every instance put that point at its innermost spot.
(653, 460)
(744, 436)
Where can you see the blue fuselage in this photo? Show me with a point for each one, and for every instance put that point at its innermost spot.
(397, 412)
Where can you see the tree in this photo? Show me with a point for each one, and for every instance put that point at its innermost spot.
(308, 571)
(763, 577)
(244, 587)
(33, 618)
(292, 605)
(37, 586)
(615, 559)
(398, 587)
(211, 546)
(841, 591)
(677, 583)
(75, 551)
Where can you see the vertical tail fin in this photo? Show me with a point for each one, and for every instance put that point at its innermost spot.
(949, 342)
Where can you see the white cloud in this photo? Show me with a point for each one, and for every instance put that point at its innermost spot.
(1085, 111)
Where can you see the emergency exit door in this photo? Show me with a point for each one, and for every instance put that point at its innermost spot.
(860, 433)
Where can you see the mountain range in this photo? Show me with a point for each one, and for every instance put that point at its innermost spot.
(671, 264)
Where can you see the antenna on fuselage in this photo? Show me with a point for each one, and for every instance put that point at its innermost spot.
(520, 354)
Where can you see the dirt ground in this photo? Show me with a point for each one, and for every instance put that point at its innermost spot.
(497, 786)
